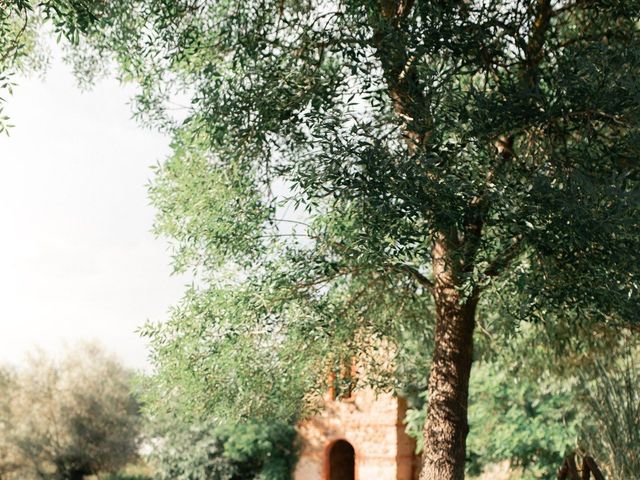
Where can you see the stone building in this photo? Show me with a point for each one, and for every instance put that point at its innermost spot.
(361, 437)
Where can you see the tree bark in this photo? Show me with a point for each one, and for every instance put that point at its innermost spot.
(446, 428)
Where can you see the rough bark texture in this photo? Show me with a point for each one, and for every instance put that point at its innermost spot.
(446, 428)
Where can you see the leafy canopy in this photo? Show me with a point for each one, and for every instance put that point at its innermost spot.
(323, 145)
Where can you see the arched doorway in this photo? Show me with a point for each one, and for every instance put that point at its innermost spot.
(342, 461)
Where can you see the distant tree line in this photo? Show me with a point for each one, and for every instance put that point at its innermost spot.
(80, 416)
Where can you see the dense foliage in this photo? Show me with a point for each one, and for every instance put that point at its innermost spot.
(530, 407)
(62, 420)
(210, 451)
(529, 423)
(361, 170)
(612, 398)
(357, 178)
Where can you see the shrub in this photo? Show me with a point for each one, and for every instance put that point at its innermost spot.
(210, 451)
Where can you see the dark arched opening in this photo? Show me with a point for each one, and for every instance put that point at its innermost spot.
(342, 461)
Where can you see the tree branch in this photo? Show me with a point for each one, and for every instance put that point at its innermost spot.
(502, 261)
(415, 273)
(534, 52)
(400, 74)
(590, 465)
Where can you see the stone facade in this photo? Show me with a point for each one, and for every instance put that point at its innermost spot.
(372, 425)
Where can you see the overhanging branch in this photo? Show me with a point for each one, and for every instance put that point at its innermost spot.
(503, 260)
(416, 274)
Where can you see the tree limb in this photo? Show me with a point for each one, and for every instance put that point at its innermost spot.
(415, 273)
(503, 260)
(400, 74)
(535, 45)
(590, 465)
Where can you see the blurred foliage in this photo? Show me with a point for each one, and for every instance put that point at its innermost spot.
(119, 476)
(16, 39)
(612, 396)
(529, 422)
(208, 450)
(531, 407)
(138, 470)
(69, 418)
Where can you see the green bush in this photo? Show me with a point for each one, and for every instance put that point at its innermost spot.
(210, 451)
(529, 423)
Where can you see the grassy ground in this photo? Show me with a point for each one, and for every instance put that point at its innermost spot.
(137, 471)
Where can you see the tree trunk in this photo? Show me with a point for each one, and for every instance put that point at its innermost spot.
(446, 428)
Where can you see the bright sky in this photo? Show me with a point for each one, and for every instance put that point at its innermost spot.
(77, 259)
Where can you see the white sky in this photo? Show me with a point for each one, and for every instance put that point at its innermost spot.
(77, 259)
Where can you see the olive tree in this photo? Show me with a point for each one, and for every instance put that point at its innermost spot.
(378, 173)
(64, 419)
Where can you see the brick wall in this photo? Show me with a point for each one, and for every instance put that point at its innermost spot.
(372, 424)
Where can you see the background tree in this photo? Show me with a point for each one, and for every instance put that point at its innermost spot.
(612, 398)
(9, 457)
(70, 418)
(383, 173)
(528, 422)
